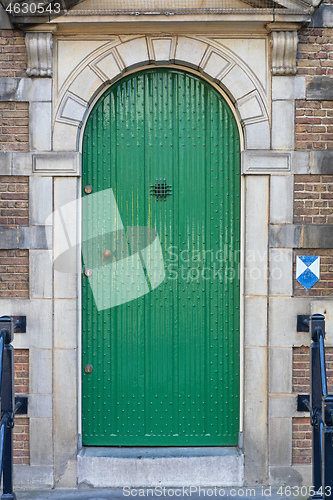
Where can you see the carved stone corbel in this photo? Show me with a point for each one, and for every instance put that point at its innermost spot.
(284, 41)
(39, 54)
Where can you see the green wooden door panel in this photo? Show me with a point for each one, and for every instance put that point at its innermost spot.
(166, 365)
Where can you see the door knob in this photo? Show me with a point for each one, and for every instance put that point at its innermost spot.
(88, 368)
(107, 254)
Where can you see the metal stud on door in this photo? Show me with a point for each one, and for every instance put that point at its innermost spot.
(165, 364)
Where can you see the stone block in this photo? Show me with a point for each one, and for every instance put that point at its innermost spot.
(22, 164)
(65, 327)
(281, 199)
(40, 199)
(65, 414)
(237, 82)
(65, 137)
(40, 123)
(300, 162)
(57, 164)
(289, 476)
(322, 162)
(250, 108)
(255, 416)
(280, 441)
(39, 322)
(86, 84)
(265, 162)
(41, 449)
(288, 87)
(28, 477)
(8, 238)
(40, 377)
(38, 237)
(320, 88)
(162, 49)
(72, 109)
(214, 64)
(256, 236)
(34, 90)
(280, 370)
(65, 234)
(175, 467)
(281, 271)
(190, 51)
(317, 236)
(40, 274)
(134, 52)
(109, 66)
(5, 163)
(258, 135)
(283, 124)
(304, 471)
(286, 236)
(40, 405)
(284, 406)
(255, 321)
(8, 87)
(283, 321)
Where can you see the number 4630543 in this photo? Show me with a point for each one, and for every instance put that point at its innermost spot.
(33, 8)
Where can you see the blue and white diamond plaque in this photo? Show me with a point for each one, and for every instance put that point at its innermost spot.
(307, 270)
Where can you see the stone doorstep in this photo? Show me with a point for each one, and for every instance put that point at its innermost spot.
(103, 467)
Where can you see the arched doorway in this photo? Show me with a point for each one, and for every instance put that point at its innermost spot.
(161, 235)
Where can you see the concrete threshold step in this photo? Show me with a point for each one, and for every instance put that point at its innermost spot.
(103, 467)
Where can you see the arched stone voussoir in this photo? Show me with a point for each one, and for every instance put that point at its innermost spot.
(86, 84)
(189, 52)
(133, 53)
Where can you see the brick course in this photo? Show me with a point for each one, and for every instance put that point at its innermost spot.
(323, 287)
(13, 57)
(14, 126)
(315, 52)
(301, 428)
(14, 274)
(313, 199)
(14, 201)
(21, 447)
(314, 125)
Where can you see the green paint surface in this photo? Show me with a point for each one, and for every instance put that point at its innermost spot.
(165, 364)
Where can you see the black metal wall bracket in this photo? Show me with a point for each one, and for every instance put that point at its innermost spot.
(303, 323)
(303, 402)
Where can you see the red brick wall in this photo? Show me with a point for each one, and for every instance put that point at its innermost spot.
(314, 125)
(14, 126)
(315, 52)
(313, 199)
(14, 274)
(323, 287)
(21, 450)
(12, 54)
(301, 428)
(14, 202)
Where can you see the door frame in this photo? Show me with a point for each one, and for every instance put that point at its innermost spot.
(242, 239)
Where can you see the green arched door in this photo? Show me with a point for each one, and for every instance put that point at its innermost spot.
(161, 357)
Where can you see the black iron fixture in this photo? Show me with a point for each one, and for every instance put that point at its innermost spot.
(160, 189)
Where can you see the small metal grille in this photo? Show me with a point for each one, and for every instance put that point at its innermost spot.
(160, 189)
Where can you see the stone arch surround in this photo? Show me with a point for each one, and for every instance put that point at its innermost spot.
(114, 59)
